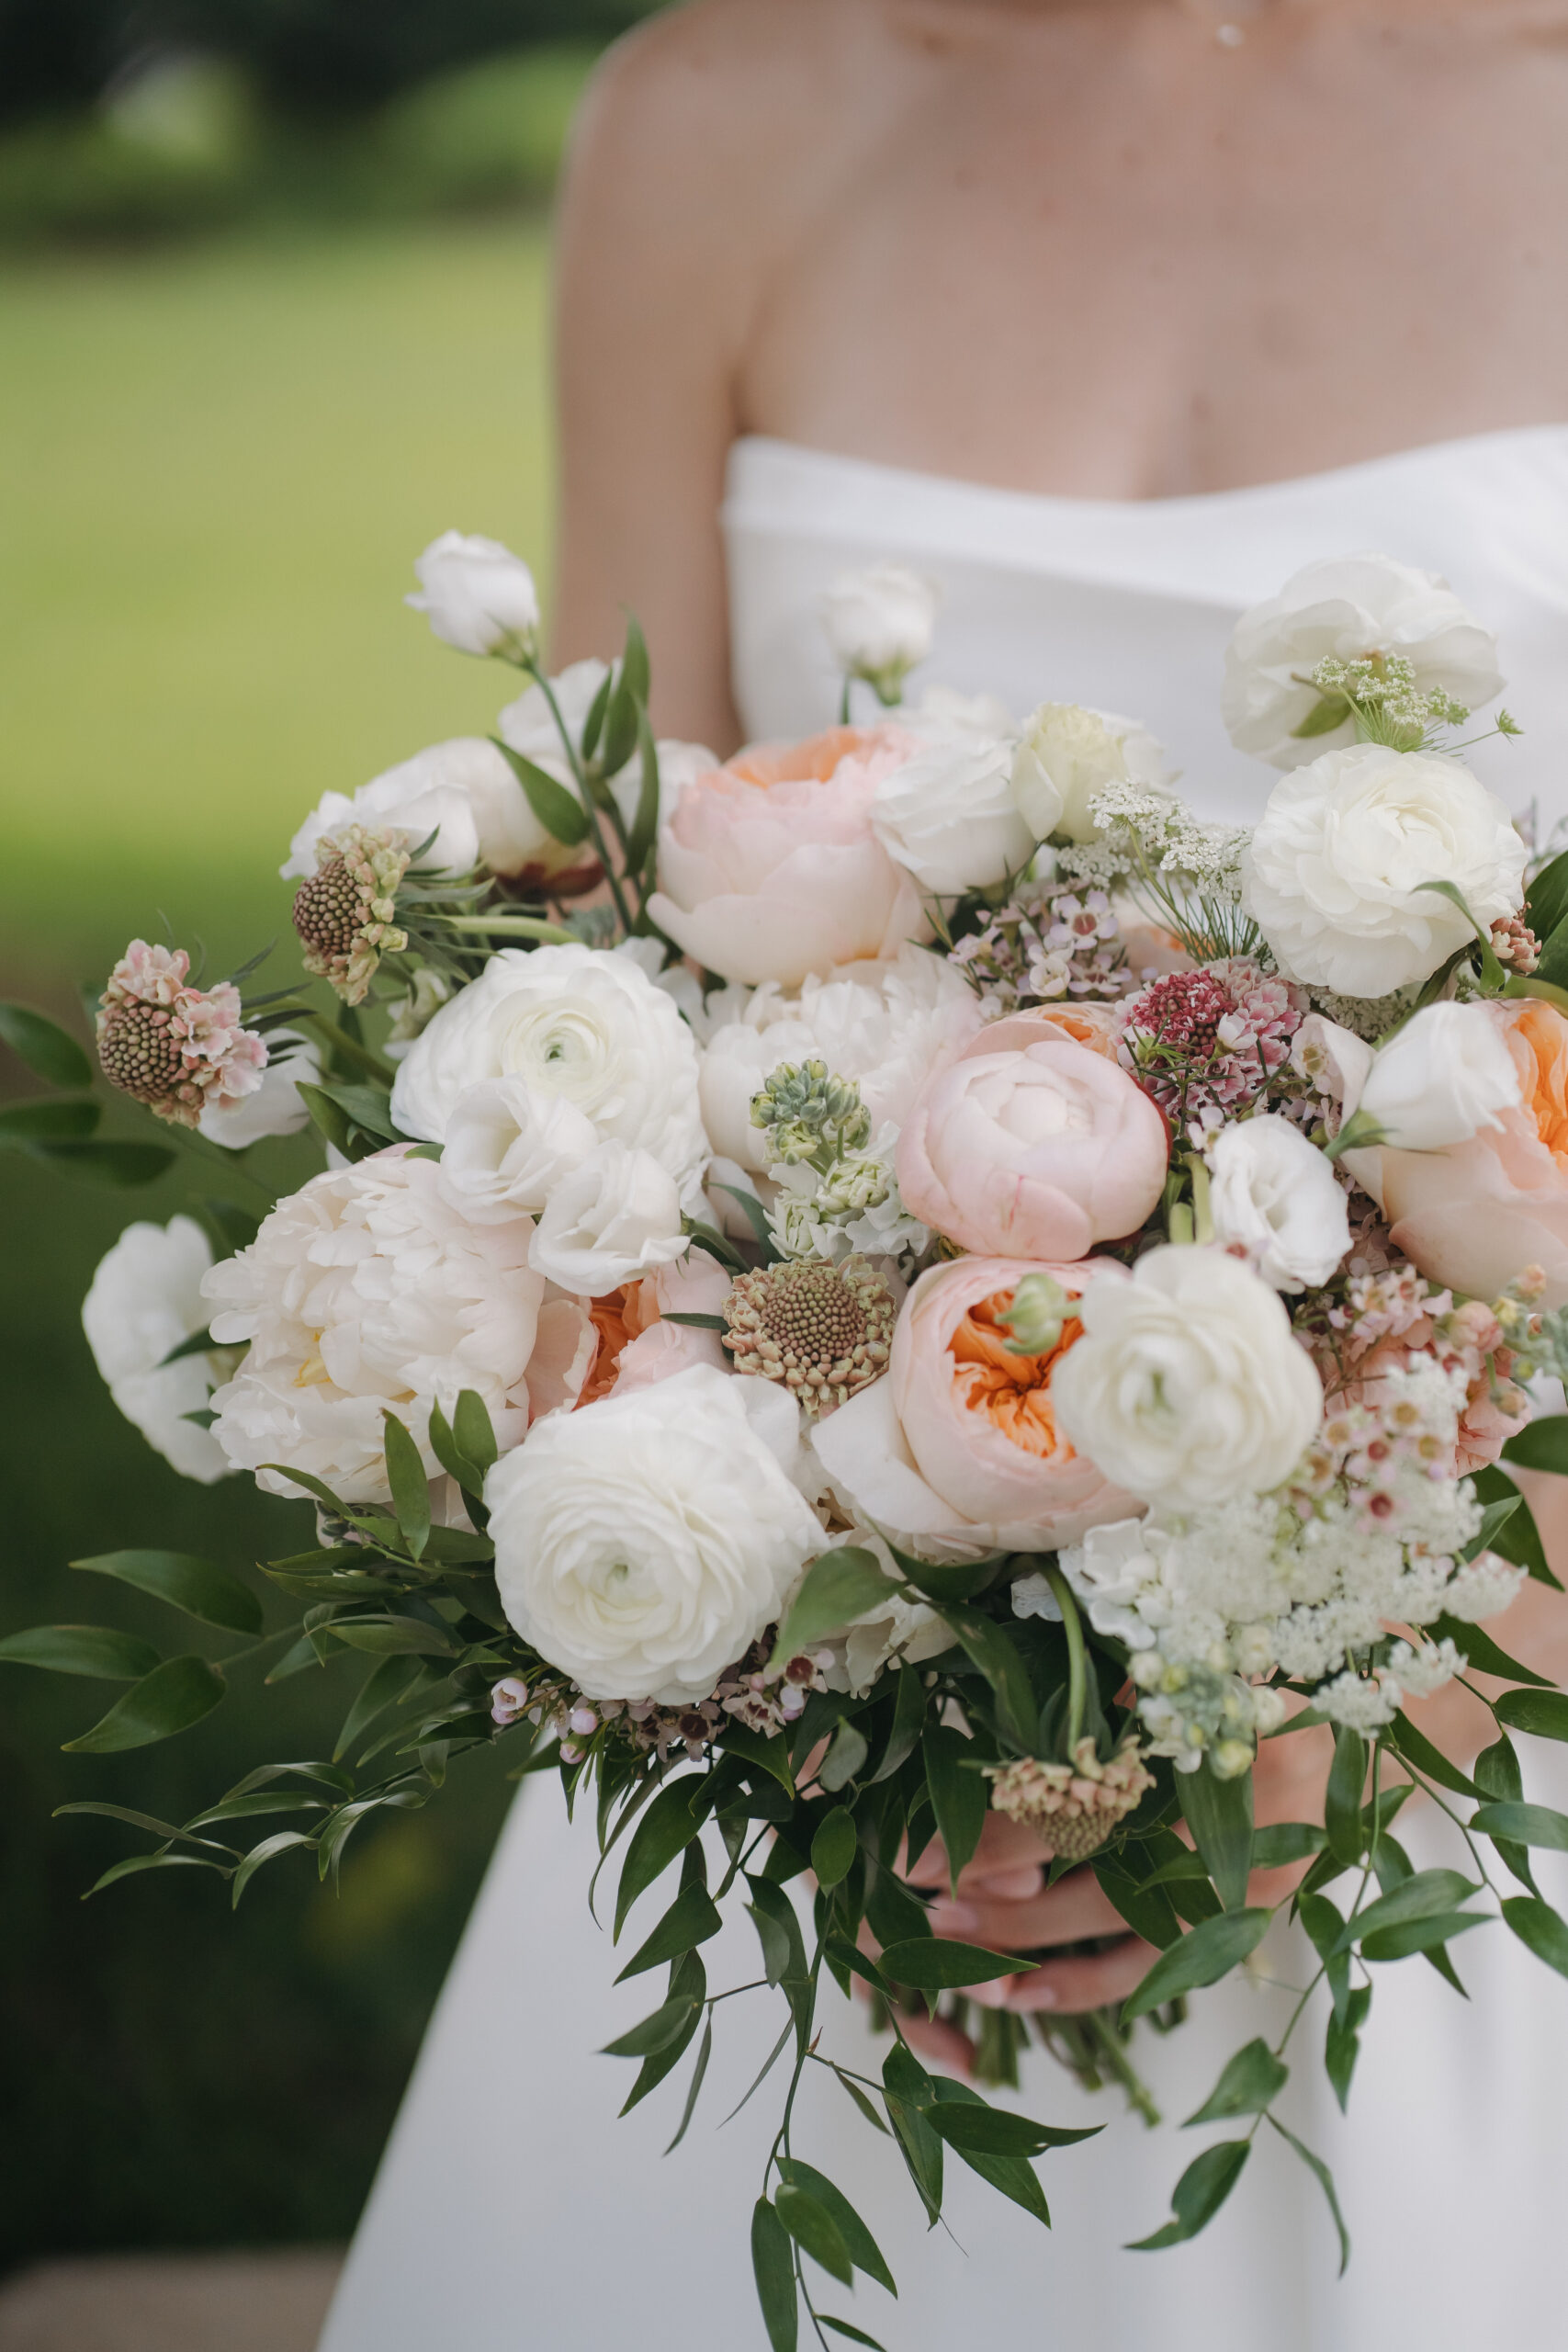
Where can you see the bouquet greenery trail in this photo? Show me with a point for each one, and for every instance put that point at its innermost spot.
(894, 1278)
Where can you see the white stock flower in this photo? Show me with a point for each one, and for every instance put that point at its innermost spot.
(880, 621)
(578, 1022)
(643, 1543)
(1334, 872)
(948, 814)
(1066, 753)
(1187, 1385)
(275, 1108)
(367, 1289)
(145, 1298)
(1447, 1074)
(1345, 609)
(614, 1217)
(1275, 1196)
(478, 596)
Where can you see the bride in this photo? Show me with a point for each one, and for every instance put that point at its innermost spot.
(1109, 315)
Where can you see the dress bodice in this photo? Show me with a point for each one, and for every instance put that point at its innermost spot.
(1128, 605)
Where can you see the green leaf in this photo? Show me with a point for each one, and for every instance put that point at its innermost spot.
(773, 2266)
(95, 1650)
(120, 1813)
(45, 1047)
(475, 1434)
(1204, 1954)
(654, 2032)
(1547, 903)
(920, 2149)
(1325, 2181)
(49, 1120)
(770, 1903)
(862, 2102)
(135, 1863)
(691, 1919)
(1252, 2079)
(770, 1755)
(327, 1117)
(236, 1228)
(283, 1842)
(1542, 1712)
(1342, 1804)
(1219, 1814)
(1539, 1927)
(368, 1106)
(1013, 2177)
(410, 1488)
(908, 1717)
(756, 1217)
(1002, 1665)
(644, 822)
(842, 2327)
(1327, 712)
(959, 1798)
(979, 2130)
(1418, 1751)
(453, 1459)
(1417, 1897)
(688, 1982)
(839, 1587)
(381, 1689)
(1342, 2045)
(949, 1580)
(1202, 2189)
(814, 2230)
(634, 662)
(258, 1801)
(863, 2248)
(935, 1964)
(1527, 1825)
(593, 725)
(832, 1848)
(1540, 1445)
(169, 1700)
(1518, 1539)
(777, 1950)
(697, 1322)
(1484, 1656)
(1419, 1935)
(620, 727)
(560, 811)
(392, 1636)
(845, 1755)
(1278, 1842)
(119, 1165)
(667, 1826)
(200, 1587)
(703, 2053)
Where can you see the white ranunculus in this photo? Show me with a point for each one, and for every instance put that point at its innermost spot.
(275, 1108)
(1439, 1079)
(478, 595)
(1335, 872)
(365, 1291)
(528, 725)
(948, 814)
(1066, 753)
(1275, 1196)
(1187, 1385)
(643, 1543)
(614, 1218)
(508, 1146)
(889, 1026)
(578, 1022)
(145, 1299)
(1346, 609)
(880, 621)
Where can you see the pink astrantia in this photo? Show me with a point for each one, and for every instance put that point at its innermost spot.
(178, 1049)
(1209, 1039)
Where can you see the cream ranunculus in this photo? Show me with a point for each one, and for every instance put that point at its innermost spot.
(948, 814)
(880, 621)
(478, 595)
(1275, 1196)
(276, 1108)
(643, 1543)
(1334, 872)
(1189, 1386)
(1346, 609)
(614, 1218)
(1066, 753)
(366, 1291)
(145, 1299)
(577, 1022)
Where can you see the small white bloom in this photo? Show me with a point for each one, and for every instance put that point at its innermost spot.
(614, 1217)
(1343, 610)
(1069, 753)
(948, 814)
(1484, 1587)
(478, 595)
(1439, 1079)
(1359, 1704)
(1417, 1673)
(1276, 1196)
(145, 1299)
(275, 1108)
(1335, 873)
(880, 621)
(1107, 1572)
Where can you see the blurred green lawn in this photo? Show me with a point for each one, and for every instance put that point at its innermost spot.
(217, 464)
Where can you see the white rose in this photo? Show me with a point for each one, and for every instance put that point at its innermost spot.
(1187, 1385)
(275, 1108)
(528, 725)
(1441, 1079)
(1346, 609)
(1334, 874)
(478, 595)
(1066, 753)
(614, 1218)
(1275, 1196)
(574, 1022)
(145, 1299)
(880, 621)
(508, 1146)
(642, 1543)
(367, 1289)
(948, 814)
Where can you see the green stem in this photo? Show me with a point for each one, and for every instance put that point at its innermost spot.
(525, 927)
(1077, 1665)
(613, 879)
(1202, 1216)
(844, 701)
(1108, 2043)
(349, 1049)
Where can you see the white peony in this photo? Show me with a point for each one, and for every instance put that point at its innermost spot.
(948, 814)
(1187, 1385)
(616, 1218)
(478, 595)
(1346, 609)
(275, 1108)
(1276, 1197)
(1066, 753)
(880, 621)
(1334, 873)
(643, 1543)
(1439, 1079)
(145, 1299)
(588, 1026)
(366, 1291)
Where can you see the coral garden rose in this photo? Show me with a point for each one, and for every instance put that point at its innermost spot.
(769, 867)
(1035, 1151)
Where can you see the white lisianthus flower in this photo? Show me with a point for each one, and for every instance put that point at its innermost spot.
(275, 1108)
(616, 1218)
(1439, 1080)
(367, 1291)
(643, 1543)
(1187, 1385)
(145, 1299)
(478, 595)
(948, 814)
(1275, 1196)
(574, 1022)
(1334, 872)
(881, 621)
(1347, 609)
(508, 1146)
(1066, 753)
(459, 791)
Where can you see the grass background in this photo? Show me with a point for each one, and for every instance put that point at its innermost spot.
(216, 464)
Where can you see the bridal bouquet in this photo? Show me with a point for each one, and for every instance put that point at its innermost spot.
(883, 1279)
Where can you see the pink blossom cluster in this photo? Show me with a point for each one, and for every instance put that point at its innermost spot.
(1209, 1040)
(766, 1700)
(1392, 1317)
(178, 1049)
(1061, 942)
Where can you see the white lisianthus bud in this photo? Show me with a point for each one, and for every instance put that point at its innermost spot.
(1066, 753)
(617, 1217)
(880, 623)
(1439, 1080)
(478, 596)
(1276, 1196)
(947, 815)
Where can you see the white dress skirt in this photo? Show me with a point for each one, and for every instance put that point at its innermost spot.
(512, 2208)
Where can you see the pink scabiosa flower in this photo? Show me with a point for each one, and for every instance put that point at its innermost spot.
(180, 1050)
(343, 913)
(1209, 1039)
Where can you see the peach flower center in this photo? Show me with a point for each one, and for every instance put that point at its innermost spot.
(1545, 1084)
(619, 1318)
(1012, 1391)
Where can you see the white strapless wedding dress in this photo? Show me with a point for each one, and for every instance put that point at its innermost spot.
(512, 2209)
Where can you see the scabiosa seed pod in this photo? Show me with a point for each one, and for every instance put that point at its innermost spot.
(344, 913)
(824, 1330)
(1072, 1808)
(178, 1049)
